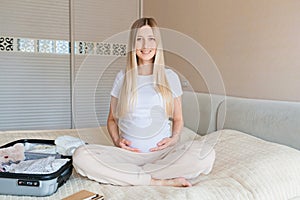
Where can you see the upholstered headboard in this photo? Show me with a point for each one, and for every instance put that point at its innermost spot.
(276, 121)
(200, 111)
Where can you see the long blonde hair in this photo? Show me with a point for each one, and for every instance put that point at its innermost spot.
(128, 95)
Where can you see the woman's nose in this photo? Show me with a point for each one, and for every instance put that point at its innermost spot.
(145, 44)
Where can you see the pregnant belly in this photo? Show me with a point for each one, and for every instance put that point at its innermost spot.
(145, 144)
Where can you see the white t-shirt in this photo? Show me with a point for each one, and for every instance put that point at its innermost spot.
(147, 123)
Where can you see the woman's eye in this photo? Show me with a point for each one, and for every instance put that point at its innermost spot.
(138, 39)
(152, 39)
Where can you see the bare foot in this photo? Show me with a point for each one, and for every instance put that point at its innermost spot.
(176, 182)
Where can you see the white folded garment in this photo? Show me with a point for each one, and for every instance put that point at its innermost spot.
(40, 166)
(40, 148)
(66, 145)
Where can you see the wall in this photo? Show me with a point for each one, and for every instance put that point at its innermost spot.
(255, 44)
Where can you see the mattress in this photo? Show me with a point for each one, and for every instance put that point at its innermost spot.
(245, 168)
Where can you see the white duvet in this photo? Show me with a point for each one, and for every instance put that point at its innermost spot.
(245, 168)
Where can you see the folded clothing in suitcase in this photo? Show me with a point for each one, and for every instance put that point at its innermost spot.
(33, 176)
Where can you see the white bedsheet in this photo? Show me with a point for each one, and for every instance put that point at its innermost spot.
(245, 168)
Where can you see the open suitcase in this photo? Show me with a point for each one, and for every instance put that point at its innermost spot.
(35, 184)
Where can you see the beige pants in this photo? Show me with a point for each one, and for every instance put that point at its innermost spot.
(118, 166)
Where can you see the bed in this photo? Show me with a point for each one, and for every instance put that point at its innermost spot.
(246, 166)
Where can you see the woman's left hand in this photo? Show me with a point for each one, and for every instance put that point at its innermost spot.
(166, 142)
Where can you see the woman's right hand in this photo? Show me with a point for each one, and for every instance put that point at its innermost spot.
(125, 144)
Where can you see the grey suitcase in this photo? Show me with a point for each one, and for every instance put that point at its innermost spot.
(34, 184)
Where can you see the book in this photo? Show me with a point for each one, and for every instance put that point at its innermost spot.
(84, 195)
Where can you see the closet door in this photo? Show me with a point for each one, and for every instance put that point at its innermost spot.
(34, 65)
(100, 33)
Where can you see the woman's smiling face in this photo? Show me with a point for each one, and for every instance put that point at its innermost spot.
(145, 45)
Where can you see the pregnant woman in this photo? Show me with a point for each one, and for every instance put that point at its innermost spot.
(145, 123)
